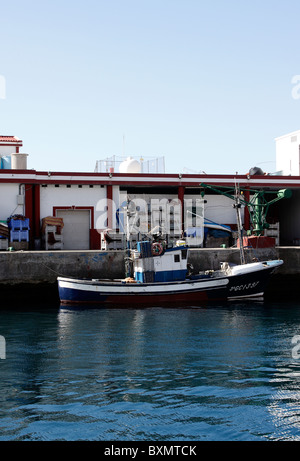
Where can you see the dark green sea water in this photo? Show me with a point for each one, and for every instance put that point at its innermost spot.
(225, 372)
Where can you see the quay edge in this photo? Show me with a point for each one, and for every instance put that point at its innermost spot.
(29, 277)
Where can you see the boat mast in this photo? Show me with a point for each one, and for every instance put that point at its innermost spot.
(237, 205)
(127, 256)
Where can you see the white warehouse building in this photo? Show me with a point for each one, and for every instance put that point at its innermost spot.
(90, 203)
(288, 154)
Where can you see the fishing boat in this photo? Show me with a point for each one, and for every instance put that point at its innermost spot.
(161, 276)
(157, 274)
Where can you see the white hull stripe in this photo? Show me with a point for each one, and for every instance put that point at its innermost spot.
(144, 289)
(256, 295)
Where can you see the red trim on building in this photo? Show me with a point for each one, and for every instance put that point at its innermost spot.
(29, 207)
(109, 198)
(167, 180)
(251, 186)
(37, 208)
(74, 207)
(32, 209)
(95, 239)
(181, 198)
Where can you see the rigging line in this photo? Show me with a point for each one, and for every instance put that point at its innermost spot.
(57, 273)
(217, 206)
(195, 214)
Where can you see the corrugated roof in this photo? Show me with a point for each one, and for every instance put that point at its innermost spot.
(13, 139)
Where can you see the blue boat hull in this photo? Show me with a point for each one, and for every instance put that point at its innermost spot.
(74, 291)
(244, 281)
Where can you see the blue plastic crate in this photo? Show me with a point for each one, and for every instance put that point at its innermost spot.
(24, 236)
(19, 236)
(15, 236)
(25, 224)
(19, 224)
(15, 224)
(144, 248)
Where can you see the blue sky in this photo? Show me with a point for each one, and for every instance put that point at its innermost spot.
(207, 85)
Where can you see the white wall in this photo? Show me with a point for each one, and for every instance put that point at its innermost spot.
(7, 150)
(8, 201)
(84, 196)
(220, 209)
(287, 154)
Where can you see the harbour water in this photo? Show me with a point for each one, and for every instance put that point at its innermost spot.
(221, 373)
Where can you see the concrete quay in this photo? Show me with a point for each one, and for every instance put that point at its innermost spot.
(30, 276)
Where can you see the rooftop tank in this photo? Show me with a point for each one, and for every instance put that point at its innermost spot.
(130, 165)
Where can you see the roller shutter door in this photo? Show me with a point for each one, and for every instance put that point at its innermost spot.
(76, 231)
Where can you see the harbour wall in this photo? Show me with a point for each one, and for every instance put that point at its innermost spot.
(30, 276)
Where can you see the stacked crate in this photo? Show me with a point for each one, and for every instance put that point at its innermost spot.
(52, 231)
(19, 232)
(4, 234)
(144, 266)
(273, 231)
(112, 241)
(53, 240)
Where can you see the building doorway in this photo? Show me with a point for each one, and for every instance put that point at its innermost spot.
(76, 230)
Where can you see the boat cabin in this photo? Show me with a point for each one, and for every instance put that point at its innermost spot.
(152, 263)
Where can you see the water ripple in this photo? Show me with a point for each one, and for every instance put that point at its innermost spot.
(192, 374)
